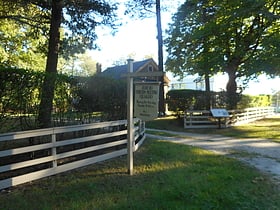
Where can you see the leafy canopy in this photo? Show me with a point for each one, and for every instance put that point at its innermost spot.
(239, 37)
(80, 19)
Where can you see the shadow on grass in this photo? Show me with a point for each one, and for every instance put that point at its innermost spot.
(167, 176)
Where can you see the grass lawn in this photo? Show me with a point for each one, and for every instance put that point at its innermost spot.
(167, 176)
(268, 128)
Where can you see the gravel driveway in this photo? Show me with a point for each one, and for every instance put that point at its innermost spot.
(260, 153)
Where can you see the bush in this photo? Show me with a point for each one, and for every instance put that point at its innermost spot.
(248, 101)
(103, 94)
(20, 96)
(180, 100)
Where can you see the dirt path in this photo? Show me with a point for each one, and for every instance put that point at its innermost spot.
(260, 153)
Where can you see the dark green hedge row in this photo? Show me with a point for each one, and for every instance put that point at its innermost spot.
(20, 95)
(103, 94)
(180, 100)
(20, 91)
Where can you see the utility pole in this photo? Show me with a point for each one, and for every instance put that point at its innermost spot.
(160, 58)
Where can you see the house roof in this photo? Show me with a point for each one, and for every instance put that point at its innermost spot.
(117, 71)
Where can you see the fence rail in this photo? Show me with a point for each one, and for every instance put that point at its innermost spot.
(251, 114)
(31, 155)
(204, 118)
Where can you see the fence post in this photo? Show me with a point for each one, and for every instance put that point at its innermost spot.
(130, 124)
(54, 163)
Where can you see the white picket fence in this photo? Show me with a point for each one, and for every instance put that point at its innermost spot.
(31, 155)
(204, 118)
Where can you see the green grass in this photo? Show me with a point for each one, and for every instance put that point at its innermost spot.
(167, 176)
(267, 128)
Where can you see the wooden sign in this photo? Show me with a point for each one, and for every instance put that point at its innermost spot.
(219, 113)
(146, 101)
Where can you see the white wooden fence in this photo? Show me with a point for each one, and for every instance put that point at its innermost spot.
(204, 118)
(251, 114)
(31, 155)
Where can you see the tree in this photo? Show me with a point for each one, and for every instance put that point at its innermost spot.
(21, 45)
(147, 5)
(78, 18)
(87, 64)
(240, 38)
(82, 65)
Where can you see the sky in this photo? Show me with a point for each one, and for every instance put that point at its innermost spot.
(137, 38)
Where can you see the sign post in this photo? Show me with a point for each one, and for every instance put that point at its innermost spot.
(130, 124)
(220, 113)
(146, 102)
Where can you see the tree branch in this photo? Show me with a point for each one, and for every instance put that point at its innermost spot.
(25, 20)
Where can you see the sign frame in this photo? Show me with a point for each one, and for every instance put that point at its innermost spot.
(146, 99)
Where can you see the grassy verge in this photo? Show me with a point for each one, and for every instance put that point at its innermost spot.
(267, 128)
(167, 176)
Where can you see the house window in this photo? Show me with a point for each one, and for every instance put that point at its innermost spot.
(150, 68)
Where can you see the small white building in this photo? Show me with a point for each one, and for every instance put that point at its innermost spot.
(192, 82)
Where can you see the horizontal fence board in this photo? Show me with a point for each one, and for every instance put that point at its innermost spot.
(51, 147)
(199, 122)
(197, 117)
(90, 149)
(57, 130)
(25, 134)
(89, 138)
(52, 171)
(202, 126)
(21, 150)
(27, 163)
(237, 117)
(88, 126)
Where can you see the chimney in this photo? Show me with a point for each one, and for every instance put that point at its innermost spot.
(98, 68)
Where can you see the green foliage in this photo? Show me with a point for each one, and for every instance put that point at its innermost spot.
(248, 101)
(80, 65)
(19, 90)
(103, 94)
(180, 100)
(78, 19)
(20, 95)
(240, 38)
(19, 49)
(78, 25)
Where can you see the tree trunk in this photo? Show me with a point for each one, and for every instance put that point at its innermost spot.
(208, 92)
(47, 92)
(232, 96)
(160, 59)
